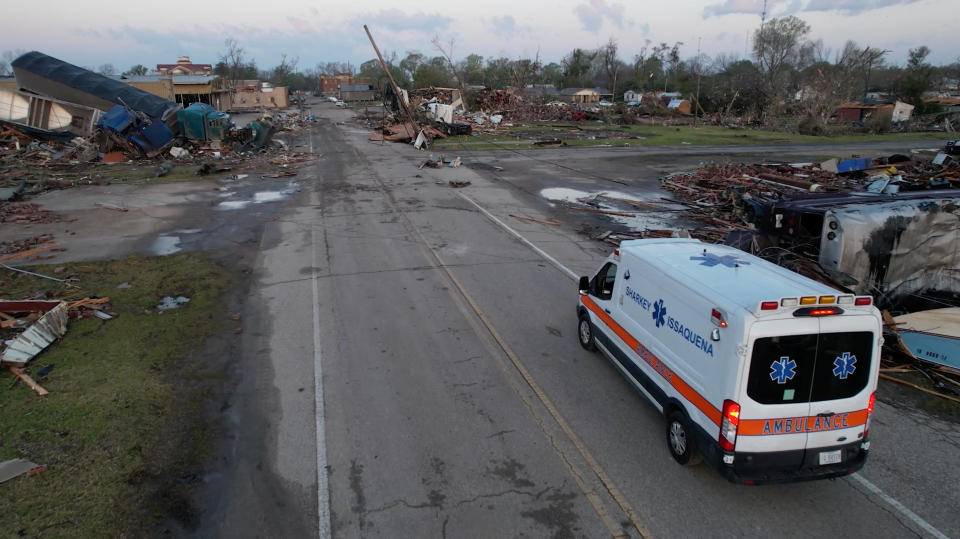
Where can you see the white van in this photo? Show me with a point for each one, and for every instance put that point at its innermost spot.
(767, 375)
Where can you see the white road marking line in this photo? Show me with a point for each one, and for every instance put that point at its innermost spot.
(525, 241)
(323, 489)
(913, 517)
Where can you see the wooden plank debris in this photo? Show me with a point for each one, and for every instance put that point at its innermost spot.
(29, 382)
(919, 388)
(533, 220)
(109, 206)
(29, 252)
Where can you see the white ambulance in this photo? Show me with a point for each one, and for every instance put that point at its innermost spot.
(767, 375)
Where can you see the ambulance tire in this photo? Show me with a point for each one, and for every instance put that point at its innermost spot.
(585, 333)
(680, 440)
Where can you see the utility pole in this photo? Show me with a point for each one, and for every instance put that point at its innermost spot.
(699, 69)
(393, 84)
(763, 20)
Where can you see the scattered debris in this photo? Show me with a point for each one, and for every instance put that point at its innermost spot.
(458, 183)
(111, 206)
(170, 302)
(550, 222)
(16, 467)
(40, 332)
(27, 381)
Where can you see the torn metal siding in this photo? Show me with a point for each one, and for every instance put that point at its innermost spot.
(895, 248)
(41, 334)
(46, 113)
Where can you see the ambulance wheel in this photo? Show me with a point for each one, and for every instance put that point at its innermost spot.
(680, 440)
(585, 333)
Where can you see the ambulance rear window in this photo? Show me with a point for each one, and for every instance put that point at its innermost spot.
(809, 368)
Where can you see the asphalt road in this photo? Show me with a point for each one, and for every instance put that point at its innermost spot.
(424, 360)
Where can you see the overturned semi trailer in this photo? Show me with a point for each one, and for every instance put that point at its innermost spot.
(52, 77)
(888, 245)
(132, 116)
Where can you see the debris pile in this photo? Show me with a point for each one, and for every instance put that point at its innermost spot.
(736, 197)
(27, 327)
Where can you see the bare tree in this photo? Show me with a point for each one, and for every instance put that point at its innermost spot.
(777, 46)
(233, 58)
(640, 75)
(448, 54)
(107, 69)
(525, 71)
(826, 84)
(610, 64)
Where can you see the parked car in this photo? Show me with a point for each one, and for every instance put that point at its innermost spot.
(605, 103)
(952, 146)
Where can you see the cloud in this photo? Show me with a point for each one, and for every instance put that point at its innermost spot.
(853, 7)
(396, 20)
(779, 8)
(506, 26)
(300, 25)
(731, 7)
(593, 14)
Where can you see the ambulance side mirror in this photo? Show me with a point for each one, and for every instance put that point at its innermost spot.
(584, 284)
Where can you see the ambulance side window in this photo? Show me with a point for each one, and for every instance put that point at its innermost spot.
(602, 284)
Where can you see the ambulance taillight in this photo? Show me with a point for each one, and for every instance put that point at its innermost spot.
(728, 427)
(873, 401)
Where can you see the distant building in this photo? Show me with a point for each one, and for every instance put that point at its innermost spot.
(633, 95)
(330, 84)
(255, 95)
(184, 67)
(580, 95)
(185, 89)
(356, 92)
(680, 105)
(897, 111)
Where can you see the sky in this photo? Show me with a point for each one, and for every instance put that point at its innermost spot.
(127, 33)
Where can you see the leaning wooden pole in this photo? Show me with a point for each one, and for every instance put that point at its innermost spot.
(393, 84)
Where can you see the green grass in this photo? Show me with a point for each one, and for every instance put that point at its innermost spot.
(654, 135)
(112, 433)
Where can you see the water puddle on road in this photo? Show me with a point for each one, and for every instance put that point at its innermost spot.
(268, 196)
(165, 245)
(259, 197)
(233, 204)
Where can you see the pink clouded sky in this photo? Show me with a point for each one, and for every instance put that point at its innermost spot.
(125, 33)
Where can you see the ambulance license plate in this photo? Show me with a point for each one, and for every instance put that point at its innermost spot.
(831, 457)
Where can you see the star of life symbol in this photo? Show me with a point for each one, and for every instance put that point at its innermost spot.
(659, 312)
(783, 369)
(844, 365)
(710, 260)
